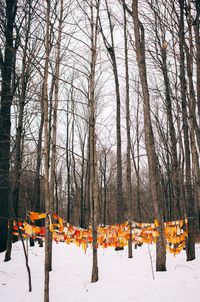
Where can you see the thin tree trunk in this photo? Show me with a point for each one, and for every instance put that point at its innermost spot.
(105, 189)
(137, 169)
(175, 205)
(82, 223)
(196, 25)
(136, 163)
(128, 148)
(46, 154)
(54, 127)
(68, 166)
(92, 139)
(111, 50)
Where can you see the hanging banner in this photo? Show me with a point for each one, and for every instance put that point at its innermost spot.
(117, 235)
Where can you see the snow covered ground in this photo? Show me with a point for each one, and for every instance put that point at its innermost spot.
(120, 279)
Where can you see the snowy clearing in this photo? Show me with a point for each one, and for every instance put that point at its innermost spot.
(120, 279)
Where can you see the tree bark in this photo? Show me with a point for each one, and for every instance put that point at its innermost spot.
(188, 185)
(129, 204)
(174, 171)
(54, 127)
(111, 51)
(92, 139)
(196, 25)
(18, 144)
(5, 120)
(46, 155)
(149, 139)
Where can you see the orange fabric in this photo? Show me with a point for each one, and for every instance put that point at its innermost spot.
(36, 216)
(109, 236)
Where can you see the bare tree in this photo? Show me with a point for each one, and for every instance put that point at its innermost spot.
(46, 153)
(92, 138)
(188, 184)
(111, 51)
(129, 203)
(149, 137)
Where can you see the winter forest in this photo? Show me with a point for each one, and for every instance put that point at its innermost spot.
(99, 130)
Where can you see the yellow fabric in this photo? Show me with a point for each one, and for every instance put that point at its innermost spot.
(36, 216)
(117, 235)
(28, 229)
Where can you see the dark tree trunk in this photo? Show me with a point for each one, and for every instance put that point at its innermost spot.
(197, 42)
(16, 175)
(188, 185)
(193, 125)
(46, 154)
(5, 120)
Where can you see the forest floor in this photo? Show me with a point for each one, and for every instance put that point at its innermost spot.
(120, 279)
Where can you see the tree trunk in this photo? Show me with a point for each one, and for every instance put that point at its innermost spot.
(5, 120)
(68, 166)
(54, 128)
(196, 25)
(129, 203)
(111, 51)
(92, 139)
(18, 144)
(149, 139)
(193, 125)
(46, 155)
(188, 185)
(174, 171)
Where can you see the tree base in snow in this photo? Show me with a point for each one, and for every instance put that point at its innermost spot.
(119, 248)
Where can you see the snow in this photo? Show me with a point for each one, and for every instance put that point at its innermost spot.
(120, 279)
